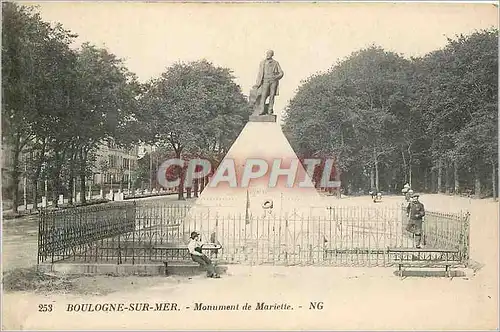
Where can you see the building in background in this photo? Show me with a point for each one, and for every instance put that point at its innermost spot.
(115, 166)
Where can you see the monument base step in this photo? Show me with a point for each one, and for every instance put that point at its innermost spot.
(263, 118)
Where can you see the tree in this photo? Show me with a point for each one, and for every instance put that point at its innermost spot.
(459, 90)
(195, 108)
(105, 101)
(34, 54)
(352, 112)
(403, 120)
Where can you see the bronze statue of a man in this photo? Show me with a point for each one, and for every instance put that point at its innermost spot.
(267, 85)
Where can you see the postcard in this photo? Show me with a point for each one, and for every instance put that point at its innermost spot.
(249, 166)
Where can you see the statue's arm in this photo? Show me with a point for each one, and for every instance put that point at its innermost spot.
(280, 71)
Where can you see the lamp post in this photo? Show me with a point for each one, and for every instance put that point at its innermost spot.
(90, 186)
(129, 175)
(151, 170)
(24, 187)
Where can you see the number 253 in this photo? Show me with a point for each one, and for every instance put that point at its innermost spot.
(45, 307)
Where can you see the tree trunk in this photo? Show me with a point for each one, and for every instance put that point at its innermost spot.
(195, 187)
(15, 185)
(202, 184)
(57, 190)
(36, 176)
(404, 164)
(477, 185)
(181, 171)
(409, 166)
(440, 177)
(71, 181)
(83, 175)
(182, 175)
(16, 174)
(83, 187)
(337, 178)
(35, 193)
(372, 178)
(426, 179)
(494, 180)
(433, 180)
(409, 176)
(447, 178)
(103, 175)
(72, 174)
(456, 188)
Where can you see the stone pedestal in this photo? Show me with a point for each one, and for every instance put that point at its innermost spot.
(44, 201)
(78, 197)
(262, 118)
(262, 139)
(118, 196)
(61, 200)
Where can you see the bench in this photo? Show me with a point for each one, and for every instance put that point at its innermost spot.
(426, 257)
(183, 254)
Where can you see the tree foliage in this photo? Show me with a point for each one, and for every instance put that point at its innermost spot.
(58, 103)
(196, 109)
(419, 120)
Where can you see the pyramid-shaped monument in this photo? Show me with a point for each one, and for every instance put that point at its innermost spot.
(273, 213)
(225, 209)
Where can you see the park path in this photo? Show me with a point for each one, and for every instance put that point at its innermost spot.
(353, 298)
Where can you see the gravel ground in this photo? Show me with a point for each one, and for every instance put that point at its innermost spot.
(353, 298)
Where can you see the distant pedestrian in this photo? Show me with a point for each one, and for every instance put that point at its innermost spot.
(194, 247)
(416, 213)
(373, 193)
(408, 195)
(407, 192)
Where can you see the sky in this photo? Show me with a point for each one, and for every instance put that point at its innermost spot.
(307, 38)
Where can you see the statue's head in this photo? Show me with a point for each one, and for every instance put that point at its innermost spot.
(269, 54)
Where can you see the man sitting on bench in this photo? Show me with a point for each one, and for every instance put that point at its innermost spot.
(194, 247)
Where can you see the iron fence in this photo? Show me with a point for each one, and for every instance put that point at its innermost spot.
(73, 233)
(147, 232)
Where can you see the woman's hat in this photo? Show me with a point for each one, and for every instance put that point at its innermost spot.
(194, 234)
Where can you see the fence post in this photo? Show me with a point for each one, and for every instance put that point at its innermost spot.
(466, 243)
(132, 217)
(40, 230)
(286, 240)
(53, 237)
